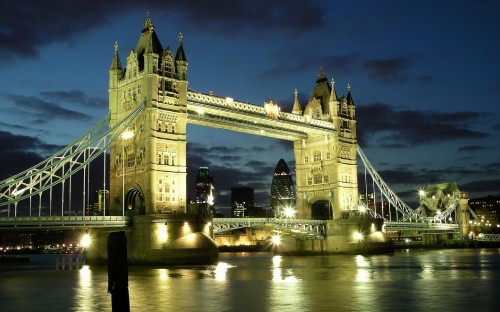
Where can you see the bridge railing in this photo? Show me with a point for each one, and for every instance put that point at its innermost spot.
(488, 237)
(63, 221)
(298, 227)
(252, 108)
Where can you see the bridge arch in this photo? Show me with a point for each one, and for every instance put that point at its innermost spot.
(321, 209)
(134, 201)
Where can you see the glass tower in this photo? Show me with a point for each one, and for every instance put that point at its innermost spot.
(283, 198)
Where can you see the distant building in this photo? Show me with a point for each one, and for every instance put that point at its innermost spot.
(243, 204)
(487, 208)
(100, 205)
(283, 196)
(204, 191)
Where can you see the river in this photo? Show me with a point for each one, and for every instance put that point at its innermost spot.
(408, 280)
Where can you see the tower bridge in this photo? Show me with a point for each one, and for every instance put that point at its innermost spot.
(150, 107)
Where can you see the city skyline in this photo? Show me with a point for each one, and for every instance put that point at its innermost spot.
(425, 81)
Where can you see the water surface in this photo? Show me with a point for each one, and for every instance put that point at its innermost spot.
(409, 280)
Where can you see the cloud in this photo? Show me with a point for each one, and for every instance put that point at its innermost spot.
(393, 128)
(286, 64)
(388, 70)
(76, 97)
(33, 24)
(472, 148)
(42, 111)
(20, 152)
(488, 186)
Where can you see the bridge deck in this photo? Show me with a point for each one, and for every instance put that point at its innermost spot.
(63, 221)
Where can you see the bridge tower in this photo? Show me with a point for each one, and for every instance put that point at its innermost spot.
(148, 164)
(463, 218)
(327, 185)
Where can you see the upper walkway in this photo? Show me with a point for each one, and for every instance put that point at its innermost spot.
(266, 120)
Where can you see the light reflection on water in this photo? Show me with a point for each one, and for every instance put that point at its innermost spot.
(450, 280)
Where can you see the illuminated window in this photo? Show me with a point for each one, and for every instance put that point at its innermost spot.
(317, 155)
(318, 178)
(328, 155)
(309, 180)
(306, 159)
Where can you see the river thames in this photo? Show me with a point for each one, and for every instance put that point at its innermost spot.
(408, 280)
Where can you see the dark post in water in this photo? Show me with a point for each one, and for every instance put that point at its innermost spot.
(118, 271)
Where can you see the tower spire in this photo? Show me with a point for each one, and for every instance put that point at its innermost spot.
(333, 103)
(296, 104)
(116, 64)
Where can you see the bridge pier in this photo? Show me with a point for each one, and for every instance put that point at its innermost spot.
(161, 239)
(356, 235)
(433, 239)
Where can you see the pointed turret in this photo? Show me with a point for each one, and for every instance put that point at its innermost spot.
(116, 64)
(181, 61)
(333, 103)
(115, 74)
(321, 93)
(297, 110)
(350, 103)
(148, 45)
(116, 70)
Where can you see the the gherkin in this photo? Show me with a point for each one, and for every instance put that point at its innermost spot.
(283, 198)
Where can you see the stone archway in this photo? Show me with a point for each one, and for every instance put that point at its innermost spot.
(321, 210)
(134, 201)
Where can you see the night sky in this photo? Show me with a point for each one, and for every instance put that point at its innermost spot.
(424, 75)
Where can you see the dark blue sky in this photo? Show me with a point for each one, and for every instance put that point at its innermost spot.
(425, 77)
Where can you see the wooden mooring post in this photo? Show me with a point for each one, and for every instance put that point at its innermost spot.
(118, 271)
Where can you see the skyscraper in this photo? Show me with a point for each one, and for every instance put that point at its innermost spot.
(242, 201)
(204, 189)
(283, 198)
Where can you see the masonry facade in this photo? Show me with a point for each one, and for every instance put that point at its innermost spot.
(148, 164)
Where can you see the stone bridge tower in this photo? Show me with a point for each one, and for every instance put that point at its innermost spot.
(148, 163)
(327, 185)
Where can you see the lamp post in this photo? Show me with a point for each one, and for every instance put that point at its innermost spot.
(125, 136)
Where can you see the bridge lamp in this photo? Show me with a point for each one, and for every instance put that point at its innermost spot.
(358, 236)
(276, 239)
(362, 208)
(289, 212)
(85, 240)
(421, 193)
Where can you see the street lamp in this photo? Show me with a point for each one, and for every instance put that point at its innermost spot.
(125, 136)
